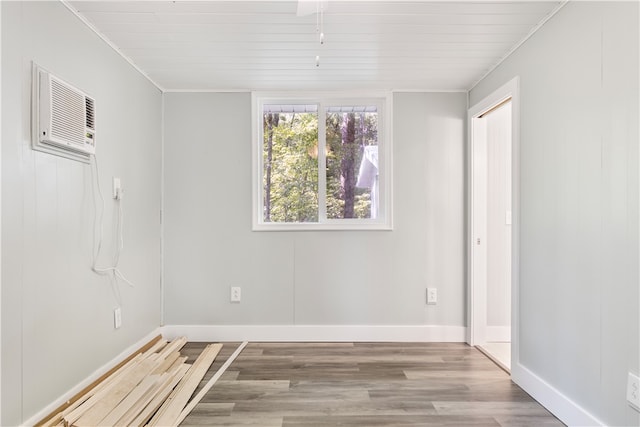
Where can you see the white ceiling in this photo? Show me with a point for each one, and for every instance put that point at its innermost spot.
(264, 45)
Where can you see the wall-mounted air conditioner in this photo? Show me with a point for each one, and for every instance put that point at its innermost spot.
(65, 118)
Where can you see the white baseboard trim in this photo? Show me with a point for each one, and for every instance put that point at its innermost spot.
(91, 378)
(317, 333)
(498, 334)
(548, 396)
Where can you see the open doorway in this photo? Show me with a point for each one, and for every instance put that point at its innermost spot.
(497, 204)
(491, 234)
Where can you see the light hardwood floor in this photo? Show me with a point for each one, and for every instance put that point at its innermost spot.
(362, 384)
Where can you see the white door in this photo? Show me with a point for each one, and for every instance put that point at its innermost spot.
(491, 223)
(492, 252)
(478, 232)
(498, 237)
(491, 231)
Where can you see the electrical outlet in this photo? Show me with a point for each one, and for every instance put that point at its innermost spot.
(432, 296)
(236, 294)
(117, 188)
(633, 391)
(117, 318)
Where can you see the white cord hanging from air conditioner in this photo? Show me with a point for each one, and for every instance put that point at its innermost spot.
(112, 270)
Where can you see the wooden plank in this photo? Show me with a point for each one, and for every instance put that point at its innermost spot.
(144, 400)
(164, 366)
(178, 363)
(114, 384)
(130, 401)
(118, 392)
(156, 348)
(170, 411)
(174, 345)
(192, 404)
(73, 413)
(47, 420)
(160, 397)
(165, 378)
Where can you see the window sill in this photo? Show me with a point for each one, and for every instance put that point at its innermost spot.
(343, 225)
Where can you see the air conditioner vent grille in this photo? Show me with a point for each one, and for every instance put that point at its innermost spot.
(90, 113)
(68, 109)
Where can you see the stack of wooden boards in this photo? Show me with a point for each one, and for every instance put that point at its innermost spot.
(153, 388)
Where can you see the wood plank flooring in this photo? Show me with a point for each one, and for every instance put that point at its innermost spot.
(362, 384)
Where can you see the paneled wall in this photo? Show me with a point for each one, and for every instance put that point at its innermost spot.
(57, 316)
(579, 185)
(311, 278)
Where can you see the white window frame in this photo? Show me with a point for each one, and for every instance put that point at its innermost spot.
(383, 101)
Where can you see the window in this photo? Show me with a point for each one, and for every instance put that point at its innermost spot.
(321, 163)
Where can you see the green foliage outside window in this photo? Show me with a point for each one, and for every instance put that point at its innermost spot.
(291, 171)
(347, 135)
(290, 165)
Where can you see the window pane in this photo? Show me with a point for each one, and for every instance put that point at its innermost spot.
(352, 162)
(290, 163)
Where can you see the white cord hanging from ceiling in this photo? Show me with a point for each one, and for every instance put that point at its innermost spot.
(319, 27)
(306, 7)
(320, 22)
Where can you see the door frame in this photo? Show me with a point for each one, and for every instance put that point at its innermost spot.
(0, 225)
(476, 301)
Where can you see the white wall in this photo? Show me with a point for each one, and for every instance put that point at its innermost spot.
(579, 293)
(57, 321)
(311, 278)
(0, 215)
